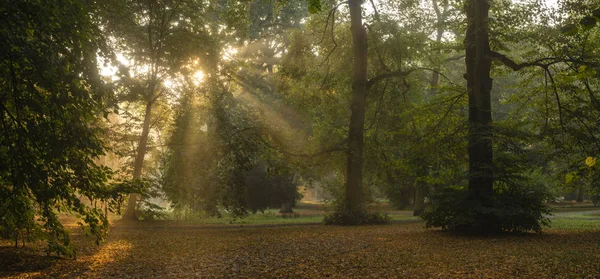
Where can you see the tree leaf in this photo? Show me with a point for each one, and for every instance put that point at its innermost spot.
(570, 177)
(588, 22)
(596, 13)
(569, 29)
(590, 161)
(314, 6)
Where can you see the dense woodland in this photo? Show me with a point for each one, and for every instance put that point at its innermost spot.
(476, 115)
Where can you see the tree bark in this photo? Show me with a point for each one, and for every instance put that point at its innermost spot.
(580, 192)
(419, 199)
(354, 170)
(479, 85)
(286, 207)
(131, 213)
(441, 21)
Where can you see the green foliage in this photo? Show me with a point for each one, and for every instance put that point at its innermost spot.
(516, 209)
(517, 203)
(268, 189)
(587, 22)
(227, 168)
(569, 29)
(51, 100)
(188, 173)
(346, 216)
(314, 6)
(150, 191)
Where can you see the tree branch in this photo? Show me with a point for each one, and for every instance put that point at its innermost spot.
(542, 63)
(516, 67)
(396, 74)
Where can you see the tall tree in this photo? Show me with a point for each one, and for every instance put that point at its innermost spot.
(162, 39)
(51, 102)
(354, 171)
(479, 86)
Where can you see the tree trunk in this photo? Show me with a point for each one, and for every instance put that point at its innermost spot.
(354, 191)
(130, 213)
(419, 199)
(441, 21)
(286, 207)
(479, 85)
(580, 193)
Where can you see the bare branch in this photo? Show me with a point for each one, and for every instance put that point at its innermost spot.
(332, 34)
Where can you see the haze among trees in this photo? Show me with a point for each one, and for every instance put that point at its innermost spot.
(472, 117)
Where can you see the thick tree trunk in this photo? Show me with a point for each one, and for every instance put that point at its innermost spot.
(354, 191)
(479, 85)
(130, 213)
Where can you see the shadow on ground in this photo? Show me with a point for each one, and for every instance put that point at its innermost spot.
(176, 250)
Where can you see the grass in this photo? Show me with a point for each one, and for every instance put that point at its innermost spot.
(170, 249)
(304, 213)
(575, 224)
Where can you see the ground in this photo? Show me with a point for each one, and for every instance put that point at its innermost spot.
(403, 249)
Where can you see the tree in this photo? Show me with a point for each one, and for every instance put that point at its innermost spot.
(353, 201)
(162, 39)
(52, 100)
(231, 165)
(354, 192)
(479, 86)
(491, 204)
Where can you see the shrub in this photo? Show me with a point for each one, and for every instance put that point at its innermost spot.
(508, 209)
(343, 215)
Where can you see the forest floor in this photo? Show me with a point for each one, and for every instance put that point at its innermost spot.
(404, 249)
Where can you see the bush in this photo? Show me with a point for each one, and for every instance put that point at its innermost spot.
(514, 209)
(596, 199)
(342, 215)
(399, 195)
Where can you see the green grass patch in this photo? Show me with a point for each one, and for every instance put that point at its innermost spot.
(575, 224)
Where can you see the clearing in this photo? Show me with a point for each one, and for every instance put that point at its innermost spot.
(404, 249)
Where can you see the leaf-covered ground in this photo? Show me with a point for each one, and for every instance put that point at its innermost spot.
(175, 250)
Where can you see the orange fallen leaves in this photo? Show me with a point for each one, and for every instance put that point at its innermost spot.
(170, 250)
